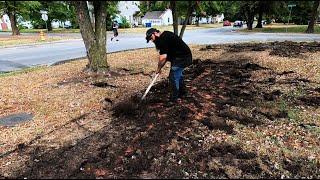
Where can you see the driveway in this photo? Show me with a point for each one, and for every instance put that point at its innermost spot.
(15, 58)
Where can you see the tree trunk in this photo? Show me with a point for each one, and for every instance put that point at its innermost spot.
(314, 17)
(249, 23)
(250, 18)
(259, 24)
(197, 21)
(12, 16)
(175, 17)
(148, 5)
(190, 9)
(100, 33)
(49, 26)
(94, 39)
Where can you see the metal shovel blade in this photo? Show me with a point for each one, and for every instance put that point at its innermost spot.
(151, 84)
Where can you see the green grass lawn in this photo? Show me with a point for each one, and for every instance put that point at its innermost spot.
(282, 29)
(58, 30)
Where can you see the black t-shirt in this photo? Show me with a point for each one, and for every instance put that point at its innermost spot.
(178, 52)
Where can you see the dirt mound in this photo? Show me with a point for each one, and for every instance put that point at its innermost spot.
(282, 49)
(217, 92)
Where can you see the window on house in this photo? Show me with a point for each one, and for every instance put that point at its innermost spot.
(168, 19)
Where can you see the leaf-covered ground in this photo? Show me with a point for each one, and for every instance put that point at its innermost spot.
(252, 111)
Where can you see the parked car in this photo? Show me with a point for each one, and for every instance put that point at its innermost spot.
(238, 24)
(26, 25)
(67, 26)
(226, 23)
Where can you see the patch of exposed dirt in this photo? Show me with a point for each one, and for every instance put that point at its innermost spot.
(283, 49)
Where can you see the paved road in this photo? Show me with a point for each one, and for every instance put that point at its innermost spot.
(46, 54)
(210, 36)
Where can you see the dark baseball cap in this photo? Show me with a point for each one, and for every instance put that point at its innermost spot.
(149, 33)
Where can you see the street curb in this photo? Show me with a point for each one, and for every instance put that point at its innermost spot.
(67, 61)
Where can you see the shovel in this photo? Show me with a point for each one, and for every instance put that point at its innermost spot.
(132, 106)
(149, 87)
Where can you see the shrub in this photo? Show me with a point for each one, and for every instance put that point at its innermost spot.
(125, 23)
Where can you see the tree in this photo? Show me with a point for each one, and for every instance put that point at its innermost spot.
(16, 10)
(11, 9)
(93, 35)
(57, 10)
(248, 8)
(146, 6)
(175, 5)
(190, 9)
(314, 16)
(111, 11)
(212, 8)
(276, 10)
(300, 12)
(231, 10)
(261, 7)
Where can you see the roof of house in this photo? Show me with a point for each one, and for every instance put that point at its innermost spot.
(153, 15)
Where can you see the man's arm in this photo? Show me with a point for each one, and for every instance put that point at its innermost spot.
(162, 62)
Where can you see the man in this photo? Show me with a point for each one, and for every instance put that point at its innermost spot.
(171, 48)
(115, 27)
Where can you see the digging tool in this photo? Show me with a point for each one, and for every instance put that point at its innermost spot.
(151, 84)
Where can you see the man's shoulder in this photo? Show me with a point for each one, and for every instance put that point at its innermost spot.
(168, 35)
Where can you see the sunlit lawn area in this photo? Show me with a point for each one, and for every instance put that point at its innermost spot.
(58, 30)
(19, 40)
(281, 28)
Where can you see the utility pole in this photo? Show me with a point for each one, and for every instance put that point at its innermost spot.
(290, 8)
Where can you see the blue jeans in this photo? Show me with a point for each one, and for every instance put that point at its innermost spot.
(176, 81)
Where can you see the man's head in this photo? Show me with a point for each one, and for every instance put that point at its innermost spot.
(152, 34)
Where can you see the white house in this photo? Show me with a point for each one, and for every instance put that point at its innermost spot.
(209, 19)
(158, 18)
(128, 9)
(218, 19)
(5, 23)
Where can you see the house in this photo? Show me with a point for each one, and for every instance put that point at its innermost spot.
(158, 18)
(218, 18)
(5, 23)
(209, 19)
(129, 10)
(60, 24)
